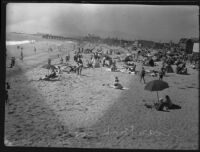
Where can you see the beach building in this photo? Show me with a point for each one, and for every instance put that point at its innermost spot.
(144, 43)
(186, 45)
(196, 48)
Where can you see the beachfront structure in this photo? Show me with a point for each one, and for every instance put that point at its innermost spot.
(49, 36)
(159, 45)
(195, 48)
(150, 44)
(186, 45)
(144, 43)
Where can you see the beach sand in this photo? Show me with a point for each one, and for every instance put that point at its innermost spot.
(79, 111)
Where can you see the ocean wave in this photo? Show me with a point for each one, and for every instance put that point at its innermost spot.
(19, 42)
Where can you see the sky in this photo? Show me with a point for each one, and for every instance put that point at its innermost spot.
(132, 22)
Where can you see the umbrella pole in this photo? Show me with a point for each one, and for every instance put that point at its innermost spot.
(157, 96)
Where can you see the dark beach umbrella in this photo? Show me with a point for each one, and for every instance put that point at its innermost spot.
(156, 85)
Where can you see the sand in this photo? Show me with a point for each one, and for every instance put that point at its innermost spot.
(79, 111)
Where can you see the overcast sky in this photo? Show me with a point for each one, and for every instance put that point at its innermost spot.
(158, 23)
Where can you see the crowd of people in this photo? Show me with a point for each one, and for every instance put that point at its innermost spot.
(104, 59)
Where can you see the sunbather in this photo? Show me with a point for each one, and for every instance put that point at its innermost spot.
(160, 104)
(168, 103)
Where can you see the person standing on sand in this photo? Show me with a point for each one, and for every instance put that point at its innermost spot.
(6, 96)
(61, 60)
(161, 74)
(142, 74)
(7, 85)
(80, 65)
(12, 62)
(49, 61)
(21, 55)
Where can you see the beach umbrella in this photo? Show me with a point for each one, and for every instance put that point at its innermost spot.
(156, 85)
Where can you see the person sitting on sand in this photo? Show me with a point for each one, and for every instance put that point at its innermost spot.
(117, 85)
(59, 72)
(12, 63)
(168, 103)
(132, 68)
(154, 73)
(89, 64)
(160, 104)
(67, 58)
(53, 74)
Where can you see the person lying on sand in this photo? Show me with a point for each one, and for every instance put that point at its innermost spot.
(51, 76)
